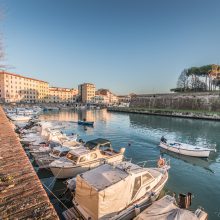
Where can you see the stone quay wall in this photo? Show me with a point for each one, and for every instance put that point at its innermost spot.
(22, 195)
(179, 101)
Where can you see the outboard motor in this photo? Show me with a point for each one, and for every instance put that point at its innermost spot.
(185, 200)
(81, 141)
(163, 139)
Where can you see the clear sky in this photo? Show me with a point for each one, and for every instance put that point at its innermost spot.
(127, 46)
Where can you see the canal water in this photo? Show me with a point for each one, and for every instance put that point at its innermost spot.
(140, 134)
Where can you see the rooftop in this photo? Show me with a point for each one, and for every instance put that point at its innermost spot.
(14, 74)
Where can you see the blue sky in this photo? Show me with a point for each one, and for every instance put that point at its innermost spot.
(127, 46)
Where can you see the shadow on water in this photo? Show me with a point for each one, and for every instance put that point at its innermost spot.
(195, 161)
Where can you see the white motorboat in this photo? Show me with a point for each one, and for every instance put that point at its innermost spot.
(185, 149)
(81, 159)
(55, 153)
(15, 117)
(45, 154)
(24, 111)
(32, 138)
(60, 138)
(41, 151)
(113, 192)
(166, 209)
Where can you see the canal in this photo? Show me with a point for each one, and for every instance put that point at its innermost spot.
(140, 134)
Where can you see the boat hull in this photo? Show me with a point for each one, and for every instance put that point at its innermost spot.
(130, 212)
(192, 153)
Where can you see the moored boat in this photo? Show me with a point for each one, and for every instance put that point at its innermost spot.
(81, 159)
(86, 123)
(167, 209)
(55, 153)
(15, 117)
(185, 149)
(113, 192)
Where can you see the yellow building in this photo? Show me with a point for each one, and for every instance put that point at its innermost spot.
(86, 92)
(60, 95)
(17, 88)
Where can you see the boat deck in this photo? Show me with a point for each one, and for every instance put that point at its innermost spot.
(22, 195)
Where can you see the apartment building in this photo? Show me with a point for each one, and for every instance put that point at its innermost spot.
(86, 92)
(60, 95)
(100, 99)
(17, 88)
(109, 96)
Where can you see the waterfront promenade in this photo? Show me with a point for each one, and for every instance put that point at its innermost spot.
(205, 115)
(22, 195)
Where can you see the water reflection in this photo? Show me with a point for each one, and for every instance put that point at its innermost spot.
(89, 115)
(140, 134)
(201, 162)
(195, 132)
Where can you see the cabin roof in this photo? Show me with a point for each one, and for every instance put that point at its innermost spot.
(107, 175)
(79, 151)
(97, 142)
(100, 141)
(62, 149)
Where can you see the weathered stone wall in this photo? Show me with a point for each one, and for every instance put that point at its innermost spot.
(182, 101)
(22, 195)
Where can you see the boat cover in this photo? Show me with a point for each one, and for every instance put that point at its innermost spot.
(109, 191)
(165, 209)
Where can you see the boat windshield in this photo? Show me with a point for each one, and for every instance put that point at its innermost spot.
(72, 157)
(56, 153)
(90, 145)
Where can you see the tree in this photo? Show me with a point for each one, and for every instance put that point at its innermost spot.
(182, 83)
(197, 79)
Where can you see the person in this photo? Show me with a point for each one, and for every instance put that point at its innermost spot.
(161, 162)
(163, 139)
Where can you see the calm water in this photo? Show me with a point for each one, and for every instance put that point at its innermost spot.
(140, 134)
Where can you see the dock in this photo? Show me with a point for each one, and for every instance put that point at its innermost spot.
(22, 195)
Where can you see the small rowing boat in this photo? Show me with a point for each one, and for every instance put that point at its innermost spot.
(185, 149)
(87, 123)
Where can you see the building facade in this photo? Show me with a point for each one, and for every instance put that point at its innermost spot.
(62, 95)
(86, 92)
(100, 99)
(124, 98)
(17, 88)
(111, 98)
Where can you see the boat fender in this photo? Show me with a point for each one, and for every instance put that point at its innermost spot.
(161, 162)
(122, 150)
(137, 210)
(185, 200)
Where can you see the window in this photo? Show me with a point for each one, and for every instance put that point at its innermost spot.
(72, 157)
(137, 185)
(62, 154)
(82, 159)
(146, 178)
(93, 156)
